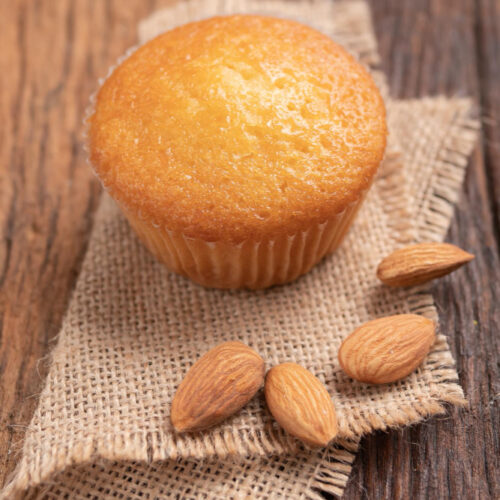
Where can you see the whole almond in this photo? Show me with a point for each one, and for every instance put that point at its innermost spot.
(301, 404)
(417, 264)
(387, 349)
(218, 385)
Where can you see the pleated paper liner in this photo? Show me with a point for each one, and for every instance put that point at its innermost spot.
(251, 264)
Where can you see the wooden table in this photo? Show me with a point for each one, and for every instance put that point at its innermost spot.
(52, 53)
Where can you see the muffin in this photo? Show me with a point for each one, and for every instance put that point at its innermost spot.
(239, 148)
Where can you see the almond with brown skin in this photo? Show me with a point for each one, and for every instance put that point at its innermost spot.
(301, 404)
(417, 264)
(218, 385)
(387, 349)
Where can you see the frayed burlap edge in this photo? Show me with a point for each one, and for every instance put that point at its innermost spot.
(96, 479)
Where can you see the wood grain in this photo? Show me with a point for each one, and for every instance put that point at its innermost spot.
(54, 51)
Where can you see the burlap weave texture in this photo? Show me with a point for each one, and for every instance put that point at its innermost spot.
(133, 329)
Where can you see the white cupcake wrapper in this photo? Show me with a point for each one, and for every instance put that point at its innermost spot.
(251, 264)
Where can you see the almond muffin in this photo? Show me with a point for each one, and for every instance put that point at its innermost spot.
(239, 148)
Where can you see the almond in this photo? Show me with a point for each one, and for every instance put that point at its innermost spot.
(387, 349)
(301, 404)
(218, 385)
(417, 264)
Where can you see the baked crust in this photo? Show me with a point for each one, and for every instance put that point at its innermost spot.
(238, 128)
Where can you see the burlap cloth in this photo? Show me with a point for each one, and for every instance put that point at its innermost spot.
(133, 329)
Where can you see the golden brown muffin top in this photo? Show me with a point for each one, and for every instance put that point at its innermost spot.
(238, 128)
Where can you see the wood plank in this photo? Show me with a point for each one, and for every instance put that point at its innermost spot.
(487, 25)
(448, 48)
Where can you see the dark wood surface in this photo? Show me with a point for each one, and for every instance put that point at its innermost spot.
(52, 54)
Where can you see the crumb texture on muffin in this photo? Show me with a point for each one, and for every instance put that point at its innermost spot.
(238, 128)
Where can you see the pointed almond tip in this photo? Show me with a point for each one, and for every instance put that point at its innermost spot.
(318, 443)
(465, 256)
(183, 424)
(469, 256)
(177, 424)
(178, 429)
(327, 439)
